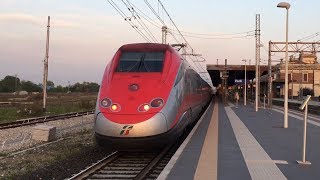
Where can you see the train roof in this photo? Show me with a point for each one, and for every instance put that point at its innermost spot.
(146, 46)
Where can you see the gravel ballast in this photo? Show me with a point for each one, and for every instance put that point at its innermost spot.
(21, 157)
(57, 160)
(18, 138)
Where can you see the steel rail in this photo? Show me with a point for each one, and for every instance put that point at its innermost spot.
(30, 121)
(96, 166)
(125, 165)
(143, 174)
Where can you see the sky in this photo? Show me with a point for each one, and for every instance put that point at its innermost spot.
(84, 35)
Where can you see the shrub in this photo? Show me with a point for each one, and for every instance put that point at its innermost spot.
(86, 104)
(306, 91)
(34, 109)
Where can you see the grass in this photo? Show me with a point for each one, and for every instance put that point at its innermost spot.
(9, 114)
(52, 110)
(55, 106)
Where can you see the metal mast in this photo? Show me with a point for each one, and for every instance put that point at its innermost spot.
(45, 68)
(164, 34)
(257, 33)
(269, 78)
(245, 83)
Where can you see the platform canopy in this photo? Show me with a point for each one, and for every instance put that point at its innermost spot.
(212, 67)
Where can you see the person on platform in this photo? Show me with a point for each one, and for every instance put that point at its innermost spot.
(236, 97)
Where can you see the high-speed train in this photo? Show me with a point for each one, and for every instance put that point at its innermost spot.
(149, 94)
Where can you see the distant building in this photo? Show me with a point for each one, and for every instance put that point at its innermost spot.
(303, 72)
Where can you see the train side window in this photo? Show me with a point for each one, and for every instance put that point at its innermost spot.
(180, 74)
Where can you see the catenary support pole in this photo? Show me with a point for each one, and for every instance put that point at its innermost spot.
(45, 68)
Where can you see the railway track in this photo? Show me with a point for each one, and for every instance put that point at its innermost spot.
(129, 165)
(134, 165)
(30, 121)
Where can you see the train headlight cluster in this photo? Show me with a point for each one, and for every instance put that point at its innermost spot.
(107, 103)
(155, 103)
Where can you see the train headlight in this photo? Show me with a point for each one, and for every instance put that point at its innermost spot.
(144, 108)
(115, 107)
(158, 102)
(106, 102)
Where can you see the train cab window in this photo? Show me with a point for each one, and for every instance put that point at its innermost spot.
(140, 62)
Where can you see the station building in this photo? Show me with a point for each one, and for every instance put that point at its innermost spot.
(303, 72)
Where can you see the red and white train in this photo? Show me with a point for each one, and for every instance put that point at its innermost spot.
(149, 94)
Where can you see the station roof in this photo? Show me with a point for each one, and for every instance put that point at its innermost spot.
(214, 67)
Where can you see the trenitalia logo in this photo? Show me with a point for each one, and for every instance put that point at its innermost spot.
(125, 130)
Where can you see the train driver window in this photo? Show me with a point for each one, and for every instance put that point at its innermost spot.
(140, 62)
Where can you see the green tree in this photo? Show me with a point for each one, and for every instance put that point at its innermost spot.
(50, 84)
(59, 88)
(306, 91)
(9, 84)
(77, 87)
(93, 87)
(30, 86)
(85, 87)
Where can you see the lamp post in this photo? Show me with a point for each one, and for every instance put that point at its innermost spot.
(291, 83)
(285, 125)
(245, 82)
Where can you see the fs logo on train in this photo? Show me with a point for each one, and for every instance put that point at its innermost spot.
(125, 130)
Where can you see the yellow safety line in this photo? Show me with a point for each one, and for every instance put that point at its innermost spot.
(208, 162)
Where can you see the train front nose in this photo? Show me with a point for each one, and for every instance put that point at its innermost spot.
(155, 125)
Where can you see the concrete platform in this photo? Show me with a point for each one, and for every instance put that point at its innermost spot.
(239, 143)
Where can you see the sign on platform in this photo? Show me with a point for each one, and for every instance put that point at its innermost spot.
(240, 81)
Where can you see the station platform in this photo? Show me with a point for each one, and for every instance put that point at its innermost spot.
(231, 142)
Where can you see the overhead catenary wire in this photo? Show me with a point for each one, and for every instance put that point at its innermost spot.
(298, 50)
(137, 19)
(174, 37)
(218, 34)
(308, 46)
(163, 23)
(187, 33)
(196, 62)
(174, 24)
(155, 13)
(127, 19)
(145, 16)
(136, 16)
(309, 37)
(306, 38)
(248, 36)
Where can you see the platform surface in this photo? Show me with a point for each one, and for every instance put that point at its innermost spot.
(238, 143)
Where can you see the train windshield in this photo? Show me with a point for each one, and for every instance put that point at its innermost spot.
(140, 62)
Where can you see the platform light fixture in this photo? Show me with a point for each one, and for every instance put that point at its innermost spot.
(285, 124)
